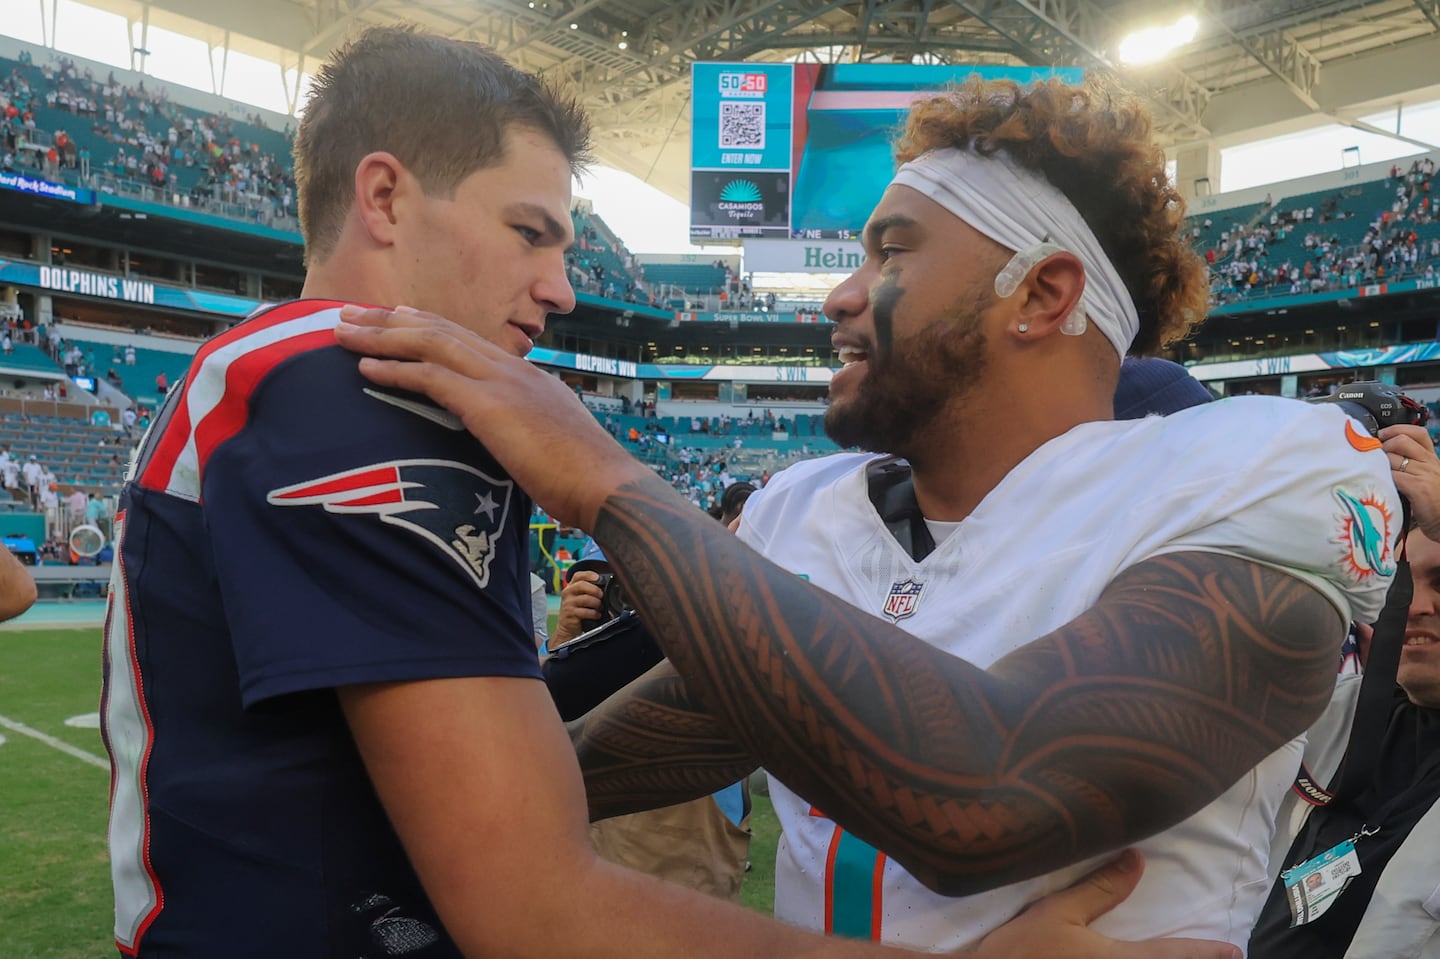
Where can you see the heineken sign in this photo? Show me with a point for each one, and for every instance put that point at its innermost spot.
(803, 256)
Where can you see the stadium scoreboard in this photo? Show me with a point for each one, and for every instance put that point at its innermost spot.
(802, 151)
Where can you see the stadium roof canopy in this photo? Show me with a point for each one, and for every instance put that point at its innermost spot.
(1256, 67)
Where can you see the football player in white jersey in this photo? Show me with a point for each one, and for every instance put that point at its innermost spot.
(1022, 634)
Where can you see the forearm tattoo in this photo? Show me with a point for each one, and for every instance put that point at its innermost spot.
(1191, 669)
(652, 744)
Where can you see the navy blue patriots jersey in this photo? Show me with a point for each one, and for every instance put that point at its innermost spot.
(289, 528)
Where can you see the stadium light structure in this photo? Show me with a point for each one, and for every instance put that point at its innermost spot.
(1152, 44)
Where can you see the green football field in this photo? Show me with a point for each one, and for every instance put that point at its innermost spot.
(54, 880)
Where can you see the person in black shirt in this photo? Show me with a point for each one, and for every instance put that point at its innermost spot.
(1391, 908)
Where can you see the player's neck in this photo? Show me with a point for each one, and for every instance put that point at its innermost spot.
(967, 453)
(355, 279)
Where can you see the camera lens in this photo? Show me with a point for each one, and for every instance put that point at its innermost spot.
(614, 600)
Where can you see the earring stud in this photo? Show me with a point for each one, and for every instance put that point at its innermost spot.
(1024, 327)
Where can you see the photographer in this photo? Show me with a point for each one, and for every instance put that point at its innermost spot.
(1390, 904)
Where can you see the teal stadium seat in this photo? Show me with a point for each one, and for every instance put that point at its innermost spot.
(138, 381)
(694, 278)
(77, 457)
(27, 357)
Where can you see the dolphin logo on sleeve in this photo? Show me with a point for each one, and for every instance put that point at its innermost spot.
(1365, 534)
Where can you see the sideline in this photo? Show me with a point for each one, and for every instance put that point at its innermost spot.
(59, 614)
(59, 744)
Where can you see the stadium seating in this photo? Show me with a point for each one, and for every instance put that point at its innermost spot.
(28, 357)
(1225, 221)
(138, 381)
(197, 171)
(70, 448)
(200, 169)
(687, 448)
(694, 278)
(1320, 241)
(597, 248)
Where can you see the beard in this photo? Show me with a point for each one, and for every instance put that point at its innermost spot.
(907, 387)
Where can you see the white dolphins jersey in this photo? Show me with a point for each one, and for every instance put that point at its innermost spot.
(1299, 487)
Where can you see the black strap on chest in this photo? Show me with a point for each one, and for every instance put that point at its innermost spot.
(892, 492)
(1377, 688)
(1374, 704)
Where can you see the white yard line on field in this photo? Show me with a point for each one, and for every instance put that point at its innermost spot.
(60, 744)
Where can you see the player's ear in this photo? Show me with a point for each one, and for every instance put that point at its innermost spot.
(379, 185)
(1050, 293)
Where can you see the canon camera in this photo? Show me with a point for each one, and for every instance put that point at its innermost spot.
(1377, 405)
(613, 600)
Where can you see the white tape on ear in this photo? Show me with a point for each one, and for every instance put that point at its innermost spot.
(1008, 280)
(1076, 323)
(1021, 210)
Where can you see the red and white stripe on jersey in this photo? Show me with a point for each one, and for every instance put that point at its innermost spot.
(129, 738)
(216, 400)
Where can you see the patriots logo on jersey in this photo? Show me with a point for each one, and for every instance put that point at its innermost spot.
(456, 507)
(902, 599)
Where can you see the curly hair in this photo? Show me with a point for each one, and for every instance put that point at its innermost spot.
(1094, 144)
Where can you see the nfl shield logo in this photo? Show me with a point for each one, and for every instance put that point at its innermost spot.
(904, 597)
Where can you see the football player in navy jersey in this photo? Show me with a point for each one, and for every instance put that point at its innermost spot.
(322, 703)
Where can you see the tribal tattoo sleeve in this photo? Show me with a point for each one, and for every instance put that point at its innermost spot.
(1191, 669)
(652, 744)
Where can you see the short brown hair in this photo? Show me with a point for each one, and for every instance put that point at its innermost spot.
(442, 107)
(1093, 143)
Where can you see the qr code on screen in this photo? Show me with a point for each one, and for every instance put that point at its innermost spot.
(742, 126)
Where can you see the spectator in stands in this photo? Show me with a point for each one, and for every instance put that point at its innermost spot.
(129, 355)
(97, 514)
(10, 472)
(32, 471)
(49, 502)
(76, 503)
(161, 383)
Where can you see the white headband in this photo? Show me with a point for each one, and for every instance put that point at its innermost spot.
(1024, 212)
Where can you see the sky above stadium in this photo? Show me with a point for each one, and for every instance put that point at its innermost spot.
(647, 220)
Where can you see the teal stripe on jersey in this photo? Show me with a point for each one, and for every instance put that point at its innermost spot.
(852, 887)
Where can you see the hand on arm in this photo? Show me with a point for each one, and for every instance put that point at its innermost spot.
(481, 786)
(1058, 926)
(1189, 671)
(477, 778)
